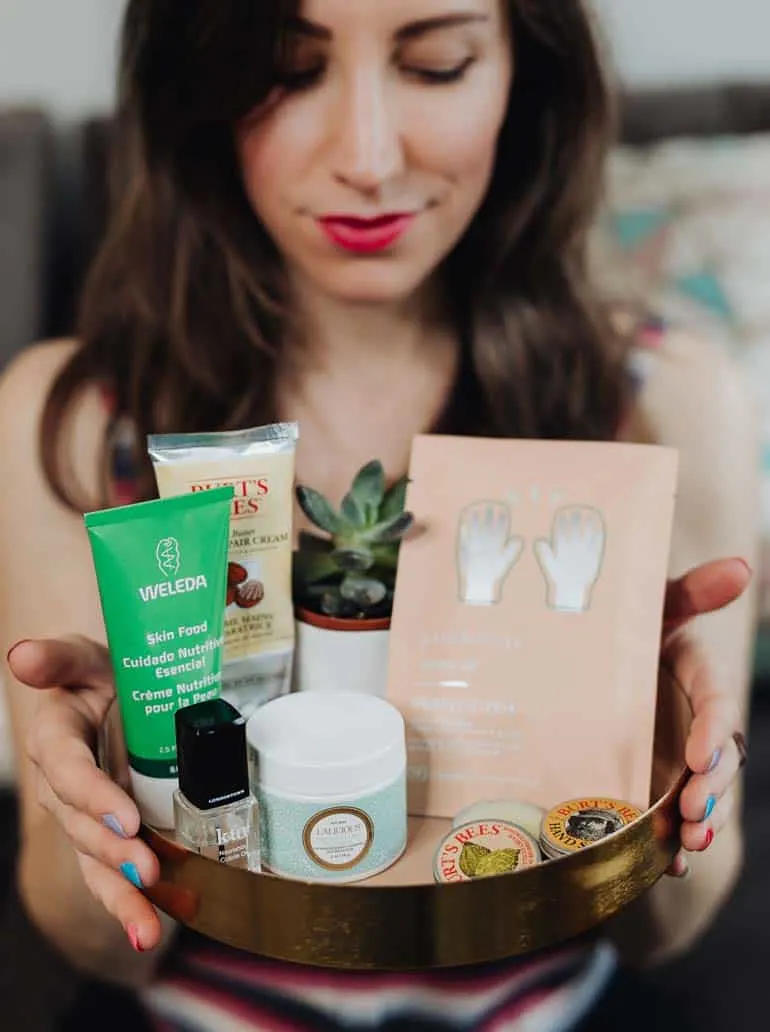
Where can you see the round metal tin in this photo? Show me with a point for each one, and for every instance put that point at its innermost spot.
(480, 849)
(523, 815)
(578, 823)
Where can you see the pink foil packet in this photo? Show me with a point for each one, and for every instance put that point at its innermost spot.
(526, 626)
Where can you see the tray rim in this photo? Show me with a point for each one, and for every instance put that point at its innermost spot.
(430, 925)
(318, 919)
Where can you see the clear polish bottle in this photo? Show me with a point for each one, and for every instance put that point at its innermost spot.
(215, 813)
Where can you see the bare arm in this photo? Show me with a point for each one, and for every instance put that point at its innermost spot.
(696, 401)
(48, 591)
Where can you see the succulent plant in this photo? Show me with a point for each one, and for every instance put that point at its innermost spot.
(351, 571)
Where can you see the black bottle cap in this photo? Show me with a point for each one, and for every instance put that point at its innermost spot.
(211, 754)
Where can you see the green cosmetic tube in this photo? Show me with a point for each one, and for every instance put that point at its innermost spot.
(161, 568)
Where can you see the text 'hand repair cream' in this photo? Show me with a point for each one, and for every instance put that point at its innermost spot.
(259, 621)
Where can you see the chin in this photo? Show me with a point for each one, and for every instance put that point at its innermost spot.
(372, 281)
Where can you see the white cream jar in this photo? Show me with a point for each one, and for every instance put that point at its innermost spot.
(330, 776)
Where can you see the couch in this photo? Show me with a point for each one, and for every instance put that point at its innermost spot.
(52, 210)
(26, 179)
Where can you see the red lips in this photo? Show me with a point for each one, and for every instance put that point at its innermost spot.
(366, 236)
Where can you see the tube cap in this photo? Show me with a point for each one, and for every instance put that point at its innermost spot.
(211, 754)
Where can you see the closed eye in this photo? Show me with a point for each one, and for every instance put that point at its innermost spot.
(306, 78)
(302, 79)
(441, 76)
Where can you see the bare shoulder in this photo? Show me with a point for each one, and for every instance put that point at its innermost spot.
(40, 361)
(24, 388)
(697, 399)
(39, 536)
(695, 395)
(42, 540)
(26, 381)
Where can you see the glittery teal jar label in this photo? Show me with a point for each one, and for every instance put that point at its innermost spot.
(339, 841)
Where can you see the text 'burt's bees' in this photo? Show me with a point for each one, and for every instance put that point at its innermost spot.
(249, 493)
(259, 620)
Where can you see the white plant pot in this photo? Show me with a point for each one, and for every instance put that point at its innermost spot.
(341, 655)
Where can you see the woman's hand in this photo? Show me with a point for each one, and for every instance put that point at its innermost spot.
(716, 749)
(99, 818)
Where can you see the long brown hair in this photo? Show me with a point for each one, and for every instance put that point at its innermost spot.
(182, 311)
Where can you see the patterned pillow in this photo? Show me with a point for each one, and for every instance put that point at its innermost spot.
(686, 229)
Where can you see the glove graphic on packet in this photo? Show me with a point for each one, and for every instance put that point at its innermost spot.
(571, 561)
(486, 552)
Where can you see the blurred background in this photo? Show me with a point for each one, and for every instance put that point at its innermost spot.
(685, 224)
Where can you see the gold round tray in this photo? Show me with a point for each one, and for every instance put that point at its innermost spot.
(402, 919)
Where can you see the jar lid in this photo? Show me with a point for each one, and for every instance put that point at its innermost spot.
(480, 849)
(523, 815)
(321, 745)
(577, 823)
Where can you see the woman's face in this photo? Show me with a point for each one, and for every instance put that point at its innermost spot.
(371, 160)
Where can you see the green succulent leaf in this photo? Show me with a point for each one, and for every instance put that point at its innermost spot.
(353, 559)
(363, 591)
(317, 509)
(354, 511)
(394, 500)
(312, 567)
(369, 489)
(351, 572)
(390, 530)
(386, 557)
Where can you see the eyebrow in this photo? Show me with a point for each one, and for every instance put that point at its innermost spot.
(305, 27)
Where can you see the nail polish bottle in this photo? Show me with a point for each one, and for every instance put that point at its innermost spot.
(214, 811)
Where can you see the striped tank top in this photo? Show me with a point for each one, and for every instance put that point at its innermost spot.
(203, 986)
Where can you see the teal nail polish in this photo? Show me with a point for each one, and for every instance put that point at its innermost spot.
(130, 871)
(717, 756)
(711, 802)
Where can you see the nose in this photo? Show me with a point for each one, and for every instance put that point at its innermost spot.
(368, 149)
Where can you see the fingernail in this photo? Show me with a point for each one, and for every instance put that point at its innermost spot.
(130, 871)
(709, 837)
(743, 562)
(133, 937)
(711, 802)
(716, 757)
(12, 649)
(111, 822)
(743, 750)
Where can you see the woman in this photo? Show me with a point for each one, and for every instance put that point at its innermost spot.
(340, 213)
